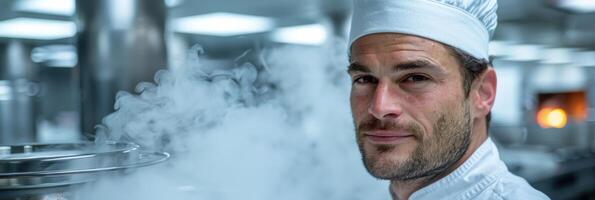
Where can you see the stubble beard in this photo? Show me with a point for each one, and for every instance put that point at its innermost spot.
(431, 157)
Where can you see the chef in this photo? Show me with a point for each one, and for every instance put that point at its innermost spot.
(421, 94)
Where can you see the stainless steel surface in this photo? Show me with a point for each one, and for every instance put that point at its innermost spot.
(17, 111)
(18, 91)
(74, 158)
(15, 61)
(65, 183)
(31, 152)
(36, 182)
(50, 193)
(92, 163)
(120, 43)
(38, 170)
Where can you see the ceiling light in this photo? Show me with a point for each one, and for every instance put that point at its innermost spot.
(52, 7)
(5, 91)
(500, 48)
(40, 29)
(63, 56)
(223, 24)
(581, 6)
(585, 59)
(525, 52)
(558, 56)
(173, 3)
(313, 34)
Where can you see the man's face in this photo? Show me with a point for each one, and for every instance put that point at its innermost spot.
(410, 111)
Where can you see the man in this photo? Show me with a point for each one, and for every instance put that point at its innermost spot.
(421, 96)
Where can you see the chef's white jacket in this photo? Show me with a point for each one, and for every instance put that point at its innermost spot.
(482, 176)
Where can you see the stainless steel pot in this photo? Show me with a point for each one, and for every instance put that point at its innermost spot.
(54, 171)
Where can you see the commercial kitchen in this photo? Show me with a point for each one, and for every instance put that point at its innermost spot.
(75, 73)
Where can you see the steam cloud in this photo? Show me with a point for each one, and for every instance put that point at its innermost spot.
(279, 129)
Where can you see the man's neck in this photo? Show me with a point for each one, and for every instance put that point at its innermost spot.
(402, 190)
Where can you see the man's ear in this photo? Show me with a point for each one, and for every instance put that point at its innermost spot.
(486, 93)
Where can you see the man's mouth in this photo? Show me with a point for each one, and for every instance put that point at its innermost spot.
(387, 137)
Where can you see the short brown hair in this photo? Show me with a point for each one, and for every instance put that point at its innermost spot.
(471, 68)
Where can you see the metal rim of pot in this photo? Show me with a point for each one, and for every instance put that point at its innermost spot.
(30, 173)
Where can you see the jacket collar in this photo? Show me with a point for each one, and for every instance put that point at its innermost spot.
(472, 177)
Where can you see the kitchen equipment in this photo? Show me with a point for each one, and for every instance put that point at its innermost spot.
(560, 122)
(54, 171)
(18, 111)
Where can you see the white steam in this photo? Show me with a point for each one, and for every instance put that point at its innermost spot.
(277, 130)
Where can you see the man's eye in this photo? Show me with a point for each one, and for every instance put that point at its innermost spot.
(416, 78)
(365, 80)
(416, 82)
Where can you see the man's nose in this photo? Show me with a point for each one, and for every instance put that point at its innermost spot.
(385, 102)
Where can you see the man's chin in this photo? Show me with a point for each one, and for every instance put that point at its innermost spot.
(385, 165)
(384, 171)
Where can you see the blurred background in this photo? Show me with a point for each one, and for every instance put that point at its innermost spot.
(63, 61)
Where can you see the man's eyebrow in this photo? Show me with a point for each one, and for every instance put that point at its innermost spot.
(417, 64)
(356, 67)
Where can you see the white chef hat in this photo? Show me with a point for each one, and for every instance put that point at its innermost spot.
(465, 24)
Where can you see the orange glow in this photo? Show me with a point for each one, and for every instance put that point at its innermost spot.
(552, 118)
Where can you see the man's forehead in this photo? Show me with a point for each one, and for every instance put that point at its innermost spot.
(393, 49)
(388, 42)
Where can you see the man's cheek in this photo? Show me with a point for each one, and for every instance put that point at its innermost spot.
(359, 106)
